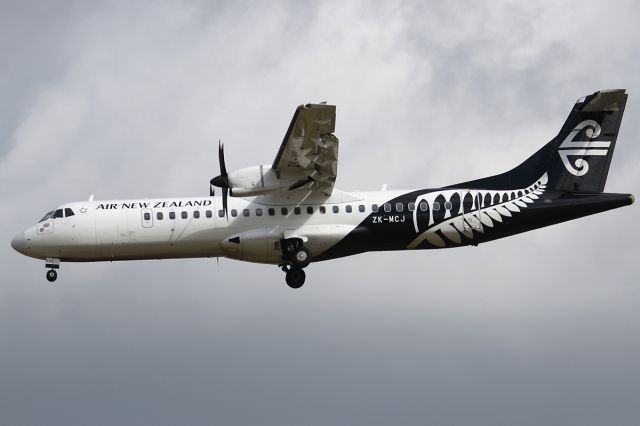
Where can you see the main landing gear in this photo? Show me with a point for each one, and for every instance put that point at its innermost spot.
(295, 257)
(52, 264)
(295, 276)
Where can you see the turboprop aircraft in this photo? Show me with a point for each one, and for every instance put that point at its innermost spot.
(289, 213)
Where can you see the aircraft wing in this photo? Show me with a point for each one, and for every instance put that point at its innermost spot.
(309, 150)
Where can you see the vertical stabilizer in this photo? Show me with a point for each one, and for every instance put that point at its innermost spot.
(578, 158)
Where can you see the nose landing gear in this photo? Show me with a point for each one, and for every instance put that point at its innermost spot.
(52, 264)
(295, 257)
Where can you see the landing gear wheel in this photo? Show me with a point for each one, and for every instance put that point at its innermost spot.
(52, 275)
(301, 257)
(295, 277)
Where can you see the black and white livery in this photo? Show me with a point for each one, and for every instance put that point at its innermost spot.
(290, 214)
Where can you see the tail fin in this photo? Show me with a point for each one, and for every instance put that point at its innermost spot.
(578, 158)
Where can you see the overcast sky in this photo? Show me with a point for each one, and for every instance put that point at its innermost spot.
(128, 99)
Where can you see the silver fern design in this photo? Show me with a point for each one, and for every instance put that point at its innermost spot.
(487, 208)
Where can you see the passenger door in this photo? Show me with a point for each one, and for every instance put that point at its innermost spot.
(473, 210)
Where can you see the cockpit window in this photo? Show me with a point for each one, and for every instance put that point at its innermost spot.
(57, 213)
(68, 212)
(46, 216)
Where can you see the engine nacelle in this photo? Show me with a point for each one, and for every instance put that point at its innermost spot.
(257, 180)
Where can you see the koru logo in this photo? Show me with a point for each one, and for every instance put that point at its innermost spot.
(569, 147)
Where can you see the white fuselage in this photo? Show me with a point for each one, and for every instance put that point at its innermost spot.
(196, 227)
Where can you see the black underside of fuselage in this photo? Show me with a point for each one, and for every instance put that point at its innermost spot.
(384, 231)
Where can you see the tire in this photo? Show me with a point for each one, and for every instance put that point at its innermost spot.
(51, 275)
(295, 277)
(301, 257)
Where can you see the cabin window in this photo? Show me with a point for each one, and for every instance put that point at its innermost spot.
(245, 212)
(348, 209)
(284, 211)
(68, 212)
(234, 212)
(399, 207)
(220, 213)
(58, 213)
(322, 209)
(184, 215)
(196, 214)
(208, 213)
(361, 208)
(271, 211)
(159, 215)
(172, 215)
(387, 207)
(374, 208)
(447, 205)
(423, 206)
(296, 210)
(336, 209)
(310, 210)
(258, 212)
(436, 206)
(147, 216)
(411, 207)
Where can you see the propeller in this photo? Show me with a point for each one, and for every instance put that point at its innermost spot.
(222, 180)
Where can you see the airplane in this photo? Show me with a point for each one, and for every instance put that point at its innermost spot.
(289, 213)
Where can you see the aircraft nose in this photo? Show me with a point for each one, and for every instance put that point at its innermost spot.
(19, 243)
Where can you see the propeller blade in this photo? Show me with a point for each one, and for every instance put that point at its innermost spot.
(223, 167)
(212, 191)
(224, 202)
(222, 180)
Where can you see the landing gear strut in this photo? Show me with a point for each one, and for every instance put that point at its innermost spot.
(52, 264)
(295, 257)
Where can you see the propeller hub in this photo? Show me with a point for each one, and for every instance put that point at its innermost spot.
(220, 181)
